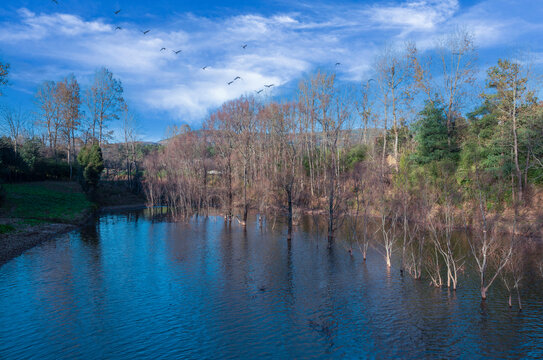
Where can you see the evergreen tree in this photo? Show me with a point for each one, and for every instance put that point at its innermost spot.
(30, 152)
(432, 137)
(91, 166)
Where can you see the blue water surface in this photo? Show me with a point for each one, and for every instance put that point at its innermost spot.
(132, 286)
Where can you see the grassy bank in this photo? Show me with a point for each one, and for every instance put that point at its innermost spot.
(35, 212)
(42, 202)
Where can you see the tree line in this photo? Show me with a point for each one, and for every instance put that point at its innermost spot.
(402, 161)
(44, 142)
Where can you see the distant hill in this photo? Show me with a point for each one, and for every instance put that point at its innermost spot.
(355, 135)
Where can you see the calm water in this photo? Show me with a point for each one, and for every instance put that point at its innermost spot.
(130, 287)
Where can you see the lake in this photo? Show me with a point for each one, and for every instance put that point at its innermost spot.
(131, 285)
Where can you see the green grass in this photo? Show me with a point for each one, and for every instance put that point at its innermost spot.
(45, 201)
(6, 228)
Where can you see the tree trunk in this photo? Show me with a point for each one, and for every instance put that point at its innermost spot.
(245, 204)
(395, 125)
(331, 211)
(289, 201)
(483, 292)
(69, 155)
(384, 138)
(230, 196)
(515, 146)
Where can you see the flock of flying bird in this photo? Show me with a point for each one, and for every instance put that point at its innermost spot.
(144, 32)
(244, 46)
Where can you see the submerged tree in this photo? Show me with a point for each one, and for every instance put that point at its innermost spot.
(490, 253)
(285, 153)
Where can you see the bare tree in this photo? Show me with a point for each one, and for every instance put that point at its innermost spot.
(389, 222)
(282, 127)
(457, 60)
(485, 245)
(332, 110)
(105, 102)
(458, 57)
(389, 210)
(307, 129)
(47, 101)
(13, 124)
(68, 95)
(363, 181)
(513, 272)
(221, 126)
(364, 109)
(4, 71)
(130, 137)
(245, 119)
(441, 227)
(392, 74)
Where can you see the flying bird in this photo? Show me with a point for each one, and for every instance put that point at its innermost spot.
(237, 78)
(269, 86)
(145, 32)
(337, 64)
(259, 91)
(230, 82)
(117, 12)
(205, 67)
(118, 28)
(176, 52)
(244, 46)
(55, 1)
(162, 49)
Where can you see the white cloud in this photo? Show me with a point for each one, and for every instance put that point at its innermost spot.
(36, 27)
(280, 49)
(414, 15)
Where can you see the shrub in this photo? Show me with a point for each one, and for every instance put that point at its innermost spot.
(6, 228)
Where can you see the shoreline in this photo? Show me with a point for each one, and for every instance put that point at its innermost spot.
(36, 212)
(14, 244)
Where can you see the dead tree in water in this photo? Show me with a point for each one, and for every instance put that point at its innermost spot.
(364, 180)
(441, 222)
(415, 251)
(219, 124)
(244, 115)
(441, 228)
(282, 129)
(485, 246)
(513, 271)
(329, 110)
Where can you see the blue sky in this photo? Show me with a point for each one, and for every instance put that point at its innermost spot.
(285, 42)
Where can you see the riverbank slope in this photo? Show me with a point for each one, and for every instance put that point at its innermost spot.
(35, 212)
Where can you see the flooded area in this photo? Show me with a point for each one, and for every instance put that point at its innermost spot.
(131, 286)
